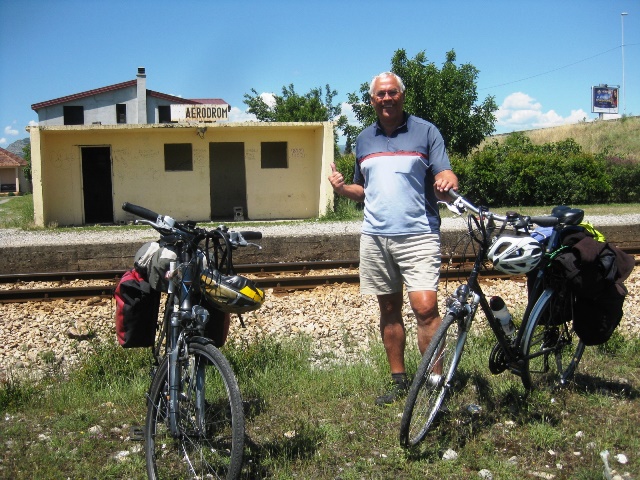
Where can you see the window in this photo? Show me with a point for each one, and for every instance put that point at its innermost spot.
(273, 155)
(73, 115)
(164, 114)
(121, 113)
(178, 157)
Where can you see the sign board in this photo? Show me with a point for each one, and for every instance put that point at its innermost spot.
(206, 112)
(604, 99)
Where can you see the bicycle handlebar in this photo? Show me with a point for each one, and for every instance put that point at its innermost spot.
(140, 211)
(163, 222)
(516, 219)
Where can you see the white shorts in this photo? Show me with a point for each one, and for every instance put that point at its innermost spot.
(386, 263)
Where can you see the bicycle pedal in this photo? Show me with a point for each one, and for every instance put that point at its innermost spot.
(136, 434)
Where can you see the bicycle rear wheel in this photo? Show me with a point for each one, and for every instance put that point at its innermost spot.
(210, 419)
(551, 350)
(432, 381)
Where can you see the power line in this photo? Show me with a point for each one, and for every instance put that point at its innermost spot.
(559, 68)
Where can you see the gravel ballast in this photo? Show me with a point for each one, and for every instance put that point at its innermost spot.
(37, 336)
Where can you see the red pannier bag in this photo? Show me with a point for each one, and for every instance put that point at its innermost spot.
(137, 306)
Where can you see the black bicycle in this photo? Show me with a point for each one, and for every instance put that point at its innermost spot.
(543, 350)
(194, 426)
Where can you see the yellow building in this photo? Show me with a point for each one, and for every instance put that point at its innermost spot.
(256, 171)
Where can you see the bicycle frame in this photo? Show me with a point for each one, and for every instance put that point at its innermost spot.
(464, 303)
(474, 296)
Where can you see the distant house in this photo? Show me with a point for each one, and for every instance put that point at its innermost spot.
(11, 172)
(126, 103)
(94, 150)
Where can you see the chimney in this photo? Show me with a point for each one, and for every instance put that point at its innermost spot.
(141, 78)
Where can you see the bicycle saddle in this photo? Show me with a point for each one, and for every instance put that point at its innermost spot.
(568, 215)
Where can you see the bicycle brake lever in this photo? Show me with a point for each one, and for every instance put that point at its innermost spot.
(455, 207)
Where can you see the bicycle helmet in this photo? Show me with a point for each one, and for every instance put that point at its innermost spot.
(230, 293)
(515, 255)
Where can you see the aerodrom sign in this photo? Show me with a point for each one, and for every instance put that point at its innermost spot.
(199, 113)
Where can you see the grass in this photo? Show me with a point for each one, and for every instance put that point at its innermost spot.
(619, 136)
(16, 212)
(308, 423)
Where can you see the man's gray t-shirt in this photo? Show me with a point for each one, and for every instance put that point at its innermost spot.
(397, 173)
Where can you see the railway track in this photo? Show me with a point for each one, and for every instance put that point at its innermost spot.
(281, 277)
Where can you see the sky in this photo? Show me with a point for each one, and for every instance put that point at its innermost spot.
(537, 58)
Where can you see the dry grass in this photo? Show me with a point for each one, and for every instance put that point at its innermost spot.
(619, 136)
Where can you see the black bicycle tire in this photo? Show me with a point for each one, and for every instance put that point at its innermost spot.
(419, 387)
(176, 449)
(543, 327)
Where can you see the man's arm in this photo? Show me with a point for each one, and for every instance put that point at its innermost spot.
(354, 191)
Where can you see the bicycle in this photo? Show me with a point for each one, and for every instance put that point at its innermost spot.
(543, 349)
(194, 426)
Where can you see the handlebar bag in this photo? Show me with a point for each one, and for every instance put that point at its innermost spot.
(137, 306)
(153, 260)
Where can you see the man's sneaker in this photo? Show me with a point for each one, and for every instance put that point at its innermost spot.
(399, 390)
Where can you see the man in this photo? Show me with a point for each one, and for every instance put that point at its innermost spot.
(402, 168)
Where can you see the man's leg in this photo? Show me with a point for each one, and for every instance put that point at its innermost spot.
(394, 340)
(392, 330)
(425, 307)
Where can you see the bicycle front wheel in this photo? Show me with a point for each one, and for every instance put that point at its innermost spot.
(210, 419)
(432, 381)
(551, 349)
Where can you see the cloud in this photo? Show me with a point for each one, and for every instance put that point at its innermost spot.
(33, 123)
(346, 110)
(3, 140)
(9, 130)
(269, 99)
(519, 111)
(237, 115)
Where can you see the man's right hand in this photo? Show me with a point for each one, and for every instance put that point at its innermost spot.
(336, 179)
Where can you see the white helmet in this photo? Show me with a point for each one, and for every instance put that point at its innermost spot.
(515, 255)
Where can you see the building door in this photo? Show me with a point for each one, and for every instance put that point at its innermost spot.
(227, 182)
(96, 185)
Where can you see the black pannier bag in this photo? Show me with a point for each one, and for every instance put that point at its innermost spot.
(152, 261)
(594, 271)
(137, 306)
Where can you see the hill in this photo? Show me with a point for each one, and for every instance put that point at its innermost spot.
(17, 146)
(619, 136)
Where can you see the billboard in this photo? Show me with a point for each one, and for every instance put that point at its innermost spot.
(604, 99)
(199, 113)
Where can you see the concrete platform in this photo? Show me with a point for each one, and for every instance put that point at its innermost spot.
(100, 256)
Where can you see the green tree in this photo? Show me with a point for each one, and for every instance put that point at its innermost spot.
(27, 157)
(447, 97)
(292, 107)
(314, 106)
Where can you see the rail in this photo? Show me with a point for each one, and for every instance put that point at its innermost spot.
(281, 277)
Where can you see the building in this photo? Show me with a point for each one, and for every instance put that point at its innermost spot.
(11, 172)
(123, 103)
(94, 150)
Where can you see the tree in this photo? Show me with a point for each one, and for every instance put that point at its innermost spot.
(292, 107)
(446, 97)
(26, 150)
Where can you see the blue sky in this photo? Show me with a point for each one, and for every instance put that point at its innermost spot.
(538, 58)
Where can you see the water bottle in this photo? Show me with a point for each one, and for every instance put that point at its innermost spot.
(501, 312)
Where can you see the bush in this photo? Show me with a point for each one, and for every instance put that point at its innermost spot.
(517, 172)
(625, 180)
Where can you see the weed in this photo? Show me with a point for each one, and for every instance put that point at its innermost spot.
(308, 422)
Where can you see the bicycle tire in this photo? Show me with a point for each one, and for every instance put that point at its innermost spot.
(550, 348)
(209, 445)
(425, 398)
